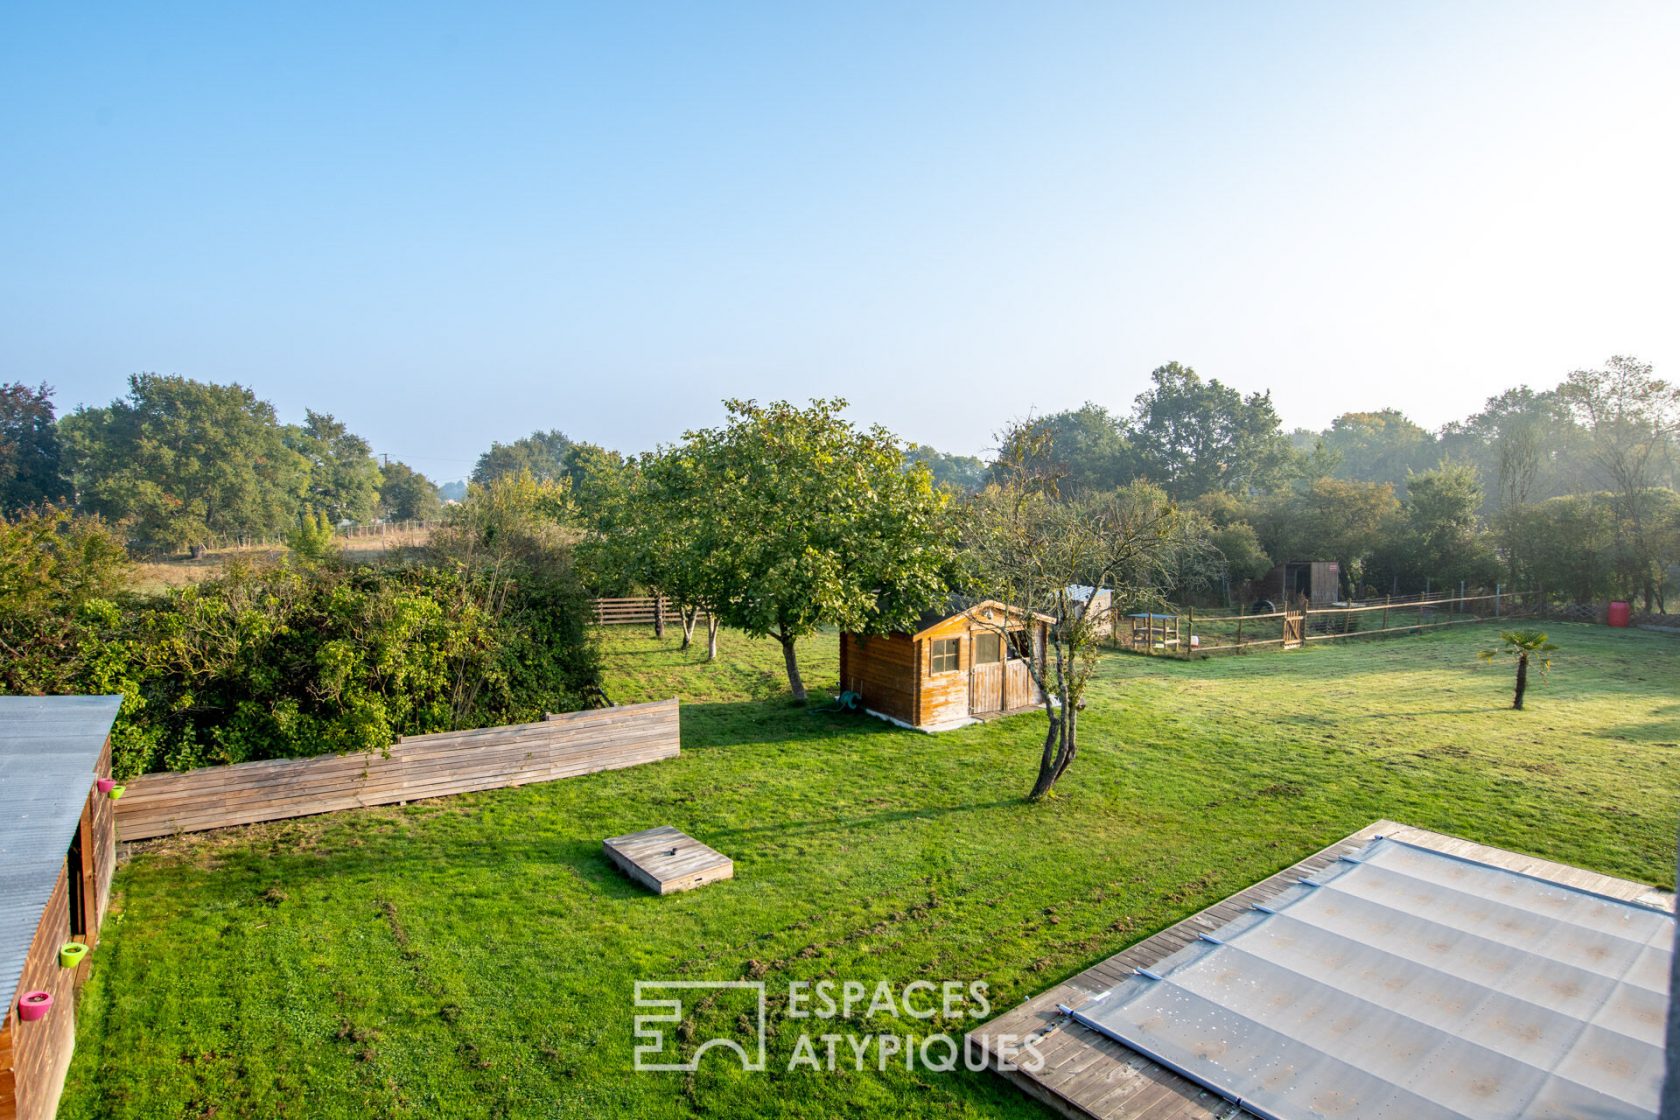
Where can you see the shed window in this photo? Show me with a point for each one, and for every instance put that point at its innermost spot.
(945, 655)
(1020, 645)
(988, 649)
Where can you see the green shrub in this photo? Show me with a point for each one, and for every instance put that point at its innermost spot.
(290, 659)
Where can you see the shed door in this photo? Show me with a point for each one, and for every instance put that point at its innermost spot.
(985, 677)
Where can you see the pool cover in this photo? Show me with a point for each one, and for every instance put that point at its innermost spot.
(1406, 983)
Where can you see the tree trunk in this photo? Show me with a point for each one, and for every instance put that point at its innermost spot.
(794, 680)
(689, 616)
(711, 636)
(659, 617)
(1522, 680)
(1061, 738)
(1047, 761)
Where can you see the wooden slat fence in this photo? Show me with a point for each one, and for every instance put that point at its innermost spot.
(418, 766)
(638, 610)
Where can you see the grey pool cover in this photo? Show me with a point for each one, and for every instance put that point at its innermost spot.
(1402, 982)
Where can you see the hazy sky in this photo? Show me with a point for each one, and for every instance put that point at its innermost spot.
(448, 225)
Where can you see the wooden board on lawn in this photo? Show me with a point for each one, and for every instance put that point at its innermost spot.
(665, 860)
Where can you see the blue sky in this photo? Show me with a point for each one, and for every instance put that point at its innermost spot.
(452, 224)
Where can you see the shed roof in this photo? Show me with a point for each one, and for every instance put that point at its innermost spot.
(49, 746)
(958, 605)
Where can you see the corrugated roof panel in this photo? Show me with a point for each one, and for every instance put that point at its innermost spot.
(49, 746)
(1408, 983)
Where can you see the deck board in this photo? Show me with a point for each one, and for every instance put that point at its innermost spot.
(665, 860)
(1089, 1076)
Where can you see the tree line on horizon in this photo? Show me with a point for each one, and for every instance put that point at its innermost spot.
(1571, 488)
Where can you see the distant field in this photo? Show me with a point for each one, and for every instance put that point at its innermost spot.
(475, 956)
(365, 544)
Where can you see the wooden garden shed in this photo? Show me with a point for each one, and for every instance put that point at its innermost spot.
(57, 849)
(1317, 581)
(962, 663)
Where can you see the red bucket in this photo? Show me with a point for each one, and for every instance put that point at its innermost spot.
(1621, 612)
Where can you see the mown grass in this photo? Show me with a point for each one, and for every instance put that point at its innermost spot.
(475, 956)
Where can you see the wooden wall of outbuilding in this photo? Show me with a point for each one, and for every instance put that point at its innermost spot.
(34, 1056)
(882, 668)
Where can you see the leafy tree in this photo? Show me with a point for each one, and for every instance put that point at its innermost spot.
(407, 495)
(1080, 451)
(1240, 552)
(655, 531)
(1522, 644)
(963, 474)
(542, 455)
(1327, 519)
(1633, 420)
(314, 539)
(184, 459)
(1438, 541)
(51, 565)
(812, 522)
(1027, 546)
(1381, 446)
(30, 471)
(1566, 545)
(1194, 437)
(343, 477)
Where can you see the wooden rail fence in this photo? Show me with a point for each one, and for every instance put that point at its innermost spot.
(638, 610)
(1190, 632)
(418, 766)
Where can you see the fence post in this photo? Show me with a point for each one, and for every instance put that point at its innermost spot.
(1192, 625)
(1239, 629)
(1497, 589)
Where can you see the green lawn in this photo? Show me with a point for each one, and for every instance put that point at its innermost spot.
(475, 956)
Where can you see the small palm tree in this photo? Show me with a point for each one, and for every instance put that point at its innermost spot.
(1521, 644)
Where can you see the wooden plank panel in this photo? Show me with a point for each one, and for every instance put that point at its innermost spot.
(665, 860)
(435, 765)
(41, 1049)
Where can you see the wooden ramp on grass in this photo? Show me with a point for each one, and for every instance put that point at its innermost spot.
(665, 860)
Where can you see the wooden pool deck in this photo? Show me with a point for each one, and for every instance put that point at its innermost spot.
(665, 860)
(1088, 1075)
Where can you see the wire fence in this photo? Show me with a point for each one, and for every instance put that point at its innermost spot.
(1189, 632)
(405, 530)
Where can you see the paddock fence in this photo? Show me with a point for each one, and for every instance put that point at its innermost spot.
(1190, 632)
(392, 533)
(639, 610)
(418, 766)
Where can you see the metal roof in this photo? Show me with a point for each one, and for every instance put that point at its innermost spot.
(49, 746)
(1408, 982)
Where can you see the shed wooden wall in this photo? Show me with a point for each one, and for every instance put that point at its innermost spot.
(882, 669)
(40, 1051)
(34, 1056)
(1326, 584)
